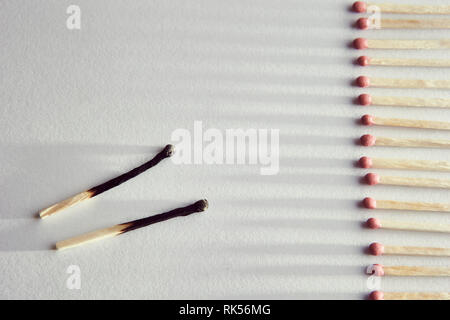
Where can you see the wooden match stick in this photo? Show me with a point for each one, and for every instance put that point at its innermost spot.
(361, 7)
(374, 179)
(166, 152)
(365, 61)
(366, 100)
(369, 120)
(374, 223)
(362, 43)
(371, 203)
(365, 82)
(407, 271)
(403, 164)
(369, 140)
(377, 249)
(365, 23)
(119, 229)
(379, 295)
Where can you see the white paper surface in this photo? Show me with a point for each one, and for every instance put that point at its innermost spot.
(79, 107)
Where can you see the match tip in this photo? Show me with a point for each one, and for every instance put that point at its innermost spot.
(376, 249)
(373, 223)
(362, 23)
(368, 140)
(365, 162)
(365, 99)
(372, 179)
(359, 7)
(168, 150)
(360, 43)
(376, 295)
(367, 120)
(363, 81)
(201, 205)
(376, 269)
(363, 61)
(370, 203)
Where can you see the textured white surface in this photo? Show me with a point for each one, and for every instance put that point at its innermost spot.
(79, 107)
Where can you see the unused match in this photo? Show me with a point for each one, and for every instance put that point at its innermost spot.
(365, 24)
(368, 140)
(404, 164)
(165, 153)
(374, 223)
(365, 82)
(374, 179)
(361, 7)
(367, 100)
(371, 203)
(362, 43)
(378, 249)
(379, 295)
(365, 61)
(369, 120)
(119, 229)
(407, 271)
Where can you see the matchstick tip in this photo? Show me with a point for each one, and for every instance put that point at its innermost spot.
(376, 249)
(368, 140)
(370, 203)
(367, 120)
(363, 61)
(376, 295)
(365, 99)
(373, 223)
(168, 150)
(363, 81)
(362, 23)
(359, 7)
(201, 205)
(365, 162)
(360, 43)
(372, 179)
(376, 269)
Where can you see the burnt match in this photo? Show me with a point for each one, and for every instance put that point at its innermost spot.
(92, 192)
(119, 229)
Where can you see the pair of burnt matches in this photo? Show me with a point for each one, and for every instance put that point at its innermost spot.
(95, 191)
(407, 271)
(368, 100)
(368, 140)
(380, 295)
(365, 82)
(378, 249)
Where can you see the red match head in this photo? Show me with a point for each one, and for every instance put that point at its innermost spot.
(376, 295)
(363, 61)
(367, 120)
(362, 23)
(376, 269)
(373, 223)
(376, 249)
(365, 99)
(370, 203)
(365, 162)
(372, 179)
(360, 43)
(363, 81)
(368, 140)
(359, 7)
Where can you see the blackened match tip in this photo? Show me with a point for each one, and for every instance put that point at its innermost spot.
(168, 150)
(201, 205)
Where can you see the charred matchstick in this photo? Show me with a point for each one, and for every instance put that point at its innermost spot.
(165, 153)
(118, 229)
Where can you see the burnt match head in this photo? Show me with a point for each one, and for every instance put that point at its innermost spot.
(168, 150)
(201, 205)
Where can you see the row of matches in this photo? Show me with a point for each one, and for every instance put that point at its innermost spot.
(378, 249)
(119, 229)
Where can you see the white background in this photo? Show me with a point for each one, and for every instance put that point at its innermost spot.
(80, 107)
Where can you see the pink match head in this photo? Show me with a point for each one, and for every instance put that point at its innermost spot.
(363, 81)
(370, 203)
(367, 120)
(376, 249)
(359, 7)
(376, 269)
(373, 223)
(365, 99)
(372, 179)
(365, 162)
(363, 61)
(360, 43)
(362, 23)
(376, 295)
(368, 140)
